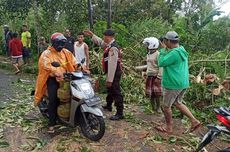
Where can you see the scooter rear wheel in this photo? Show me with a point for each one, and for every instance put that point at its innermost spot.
(95, 129)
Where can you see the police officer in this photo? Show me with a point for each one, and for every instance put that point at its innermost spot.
(112, 67)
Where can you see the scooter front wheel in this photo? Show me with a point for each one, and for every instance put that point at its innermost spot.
(94, 128)
(208, 137)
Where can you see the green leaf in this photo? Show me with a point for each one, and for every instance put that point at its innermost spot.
(158, 139)
(4, 144)
(26, 128)
(85, 149)
(172, 140)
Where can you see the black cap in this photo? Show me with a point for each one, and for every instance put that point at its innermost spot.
(109, 32)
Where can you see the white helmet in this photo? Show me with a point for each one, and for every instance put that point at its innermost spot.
(151, 42)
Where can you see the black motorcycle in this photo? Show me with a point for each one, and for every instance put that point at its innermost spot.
(223, 115)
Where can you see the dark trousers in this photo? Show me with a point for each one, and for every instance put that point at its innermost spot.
(114, 94)
(52, 87)
(25, 54)
(7, 51)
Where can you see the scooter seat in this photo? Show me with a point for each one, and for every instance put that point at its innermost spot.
(226, 111)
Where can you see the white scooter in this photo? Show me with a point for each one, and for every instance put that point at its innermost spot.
(84, 105)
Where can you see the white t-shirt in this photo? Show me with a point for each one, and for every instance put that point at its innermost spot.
(79, 52)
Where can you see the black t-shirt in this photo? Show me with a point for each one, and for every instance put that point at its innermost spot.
(8, 36)
(70, 44)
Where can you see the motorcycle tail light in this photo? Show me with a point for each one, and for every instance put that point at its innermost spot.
(224, 120)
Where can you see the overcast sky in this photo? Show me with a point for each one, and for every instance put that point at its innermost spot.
(225, 7)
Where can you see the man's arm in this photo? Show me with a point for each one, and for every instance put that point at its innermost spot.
(160, 70)
(97, 40)
(46, 62)
(74, 48)
(73, 40)
(86, 48)
(112, 64)
(165, 59)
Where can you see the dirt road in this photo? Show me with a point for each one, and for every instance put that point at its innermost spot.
(22, 128)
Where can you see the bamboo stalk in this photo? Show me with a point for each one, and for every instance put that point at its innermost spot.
(220, 60)
(141, 67)
(225, 66)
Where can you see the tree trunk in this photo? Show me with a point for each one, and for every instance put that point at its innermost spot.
(90, 11)
(37, 23)
(109, 23)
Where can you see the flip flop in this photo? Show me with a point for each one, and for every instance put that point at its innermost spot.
(50, 131)
(162, 129)
(17, 72)
(192, 129)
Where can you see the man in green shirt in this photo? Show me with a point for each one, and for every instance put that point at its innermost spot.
(174, 60)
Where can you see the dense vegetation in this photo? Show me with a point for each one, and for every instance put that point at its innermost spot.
(194, 20)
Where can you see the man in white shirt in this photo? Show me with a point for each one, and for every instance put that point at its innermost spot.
(81, 50)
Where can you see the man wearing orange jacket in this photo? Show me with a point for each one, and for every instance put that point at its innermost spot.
(49, 76)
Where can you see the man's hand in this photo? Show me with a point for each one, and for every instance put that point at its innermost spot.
(58, 75)
(162, 44)
(108, 84)
(88, 33)
(78, 67)
(157, 82)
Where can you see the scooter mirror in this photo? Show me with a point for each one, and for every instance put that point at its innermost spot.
(55, 64)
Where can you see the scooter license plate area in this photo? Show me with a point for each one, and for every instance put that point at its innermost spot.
(93, 101)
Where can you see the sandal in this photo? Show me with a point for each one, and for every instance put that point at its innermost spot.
(17, 72)
(50, 130)
(192, 129)
(163, 130)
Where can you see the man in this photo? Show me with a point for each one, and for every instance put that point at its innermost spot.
(174, 60)
(26, 41)
(7, 36)
(70, 41)
(42, 45)
(112, 67)
(81, 49)
(154, 73)
(15, 47)
(49, 76)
